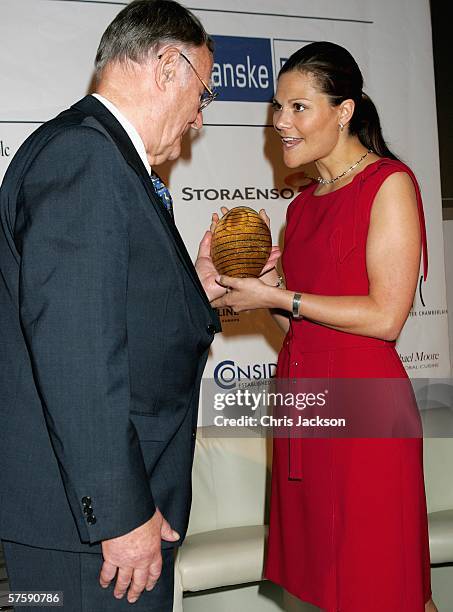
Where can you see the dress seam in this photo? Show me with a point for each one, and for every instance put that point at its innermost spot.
(402, 514)
(334, 514)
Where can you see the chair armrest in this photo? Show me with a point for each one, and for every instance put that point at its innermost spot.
(222, 557)
(441, 536)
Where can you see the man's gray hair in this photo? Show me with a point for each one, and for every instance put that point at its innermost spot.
(143, 25)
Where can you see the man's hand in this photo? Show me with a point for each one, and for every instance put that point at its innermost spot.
(206, 270)
(137, 558)
(204, 265)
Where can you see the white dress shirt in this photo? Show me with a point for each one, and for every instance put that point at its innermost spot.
(129, 128)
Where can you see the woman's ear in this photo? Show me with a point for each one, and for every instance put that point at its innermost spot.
(346, 111)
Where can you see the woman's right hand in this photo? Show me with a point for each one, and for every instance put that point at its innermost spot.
(250, 294)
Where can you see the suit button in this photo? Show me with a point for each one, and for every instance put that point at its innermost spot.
(211, 329)
(88, 510)
(194, 433)
(86, 501)
(91, 519)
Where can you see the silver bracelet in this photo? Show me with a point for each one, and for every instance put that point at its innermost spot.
(296, 306)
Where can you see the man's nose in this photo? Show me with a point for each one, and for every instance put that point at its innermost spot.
(198, 123)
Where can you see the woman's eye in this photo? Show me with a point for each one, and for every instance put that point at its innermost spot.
(299, 107)
(275, 106)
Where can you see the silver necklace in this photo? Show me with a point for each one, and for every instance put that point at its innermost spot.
(324, 181)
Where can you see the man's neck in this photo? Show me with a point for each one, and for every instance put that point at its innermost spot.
(128, 125)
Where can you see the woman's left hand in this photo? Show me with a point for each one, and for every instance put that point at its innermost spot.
(247, 294)
(274, 256)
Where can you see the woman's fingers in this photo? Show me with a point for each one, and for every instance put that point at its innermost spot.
(220, 302)
(265, 218)
(272, 260)
(228, 281)
(274, 256)
(242, 293)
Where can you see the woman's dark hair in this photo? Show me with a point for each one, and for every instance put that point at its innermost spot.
(337, 75)
(143, 25)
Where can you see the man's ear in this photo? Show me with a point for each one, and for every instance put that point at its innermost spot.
(166, 67)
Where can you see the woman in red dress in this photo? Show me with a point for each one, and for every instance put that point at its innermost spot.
(348, 523)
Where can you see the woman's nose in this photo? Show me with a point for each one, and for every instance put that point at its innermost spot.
(281, 120)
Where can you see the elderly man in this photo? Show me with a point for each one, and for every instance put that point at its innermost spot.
(105, 326)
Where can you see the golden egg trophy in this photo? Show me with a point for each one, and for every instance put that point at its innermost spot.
(241, 243)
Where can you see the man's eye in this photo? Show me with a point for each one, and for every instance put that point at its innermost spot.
(299, 107)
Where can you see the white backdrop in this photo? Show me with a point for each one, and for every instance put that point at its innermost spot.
(46, 63)
(448, 239)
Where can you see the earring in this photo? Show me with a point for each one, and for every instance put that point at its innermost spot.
(341, 126)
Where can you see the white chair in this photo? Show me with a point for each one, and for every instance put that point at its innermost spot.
(227, 530)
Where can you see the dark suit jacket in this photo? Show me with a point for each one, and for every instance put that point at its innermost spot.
(104, 331)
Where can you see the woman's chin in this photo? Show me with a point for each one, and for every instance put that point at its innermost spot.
(292, 161)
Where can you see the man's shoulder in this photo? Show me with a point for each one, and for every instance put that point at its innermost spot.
(74, 120)
(71, 122)
(69, 128)
(70, 134)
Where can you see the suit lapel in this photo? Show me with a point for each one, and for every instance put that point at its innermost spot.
(90, 106)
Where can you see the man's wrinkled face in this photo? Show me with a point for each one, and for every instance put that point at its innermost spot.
(183, 101)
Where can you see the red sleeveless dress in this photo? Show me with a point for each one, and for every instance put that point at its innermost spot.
(348, 521)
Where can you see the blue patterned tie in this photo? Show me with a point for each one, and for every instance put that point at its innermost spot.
(162, 191)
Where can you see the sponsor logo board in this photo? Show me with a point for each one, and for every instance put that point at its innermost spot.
(228, 373)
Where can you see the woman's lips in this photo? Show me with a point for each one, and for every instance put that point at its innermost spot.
(290, 142)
